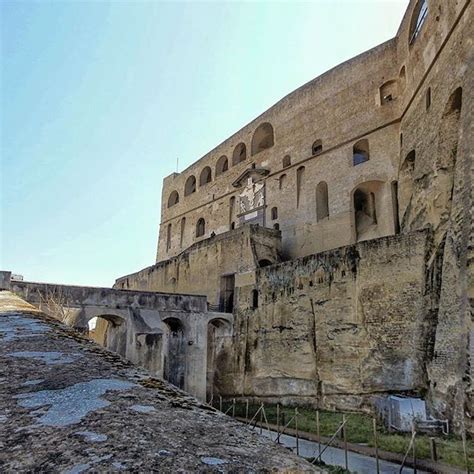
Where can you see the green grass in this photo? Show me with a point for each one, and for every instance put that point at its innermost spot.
(360, 430)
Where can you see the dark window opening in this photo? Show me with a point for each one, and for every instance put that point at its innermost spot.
(360, 152)
(264, 263)
(190, 186)
(254, 299)
(276, 226)
(206, 176)
(274, 213)
(428, 98)
(317, 147)
(200, 227)
(286, 161)
(173, 199)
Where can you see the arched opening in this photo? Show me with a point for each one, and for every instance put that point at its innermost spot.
(109, 330)
(205, 176)
(365, 210)
(264, 263)
(232, 212)
(454, 103)
(286, 161)
(222, 165)
(299, 184)
(200, 227)
(388, 92)
(317, 147)
(274, 213)
(282, 181)
(262, 138)
(402, 78)
(174, 367)
(190, 185)
(173, 199)
(239, 154)
(168, 237)
(219, 339)
(406, 186)
(322, 202)
(254, 301)
(418, 17)
(276, 226)
(360, 152)
(183, 229)
(428, 98)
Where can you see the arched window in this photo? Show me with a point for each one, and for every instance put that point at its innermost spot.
(428, 98)
(173, 199)
(254, 299)
(286, 161)
(454, 103)
(262, 138)
(317, 147)
(402, 77)
(322, 203)
(388, 92)
(205, 176)
(168, 237)
(222, 165)
(417, 19)
(364, 209)
(183, 228)
(232, 212)
(360, 152)
(299, 184)
(240, 154)
(200, 227)
(282, 181)
(276, 226)
(190, 186)
(274, 213)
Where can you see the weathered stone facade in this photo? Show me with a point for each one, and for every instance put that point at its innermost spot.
(378, 149)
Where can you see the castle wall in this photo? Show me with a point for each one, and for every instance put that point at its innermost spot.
(339, 108)
(200, 270)
(334, 329)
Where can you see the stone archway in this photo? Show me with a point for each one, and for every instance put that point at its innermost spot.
(174, 363)
(219, 332)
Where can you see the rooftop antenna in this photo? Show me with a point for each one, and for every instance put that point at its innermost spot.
(177, 164)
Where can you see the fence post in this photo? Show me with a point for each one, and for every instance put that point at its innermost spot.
(247, 410)
(344, 434)
(278, 418)
(414, 449)
(220, 403)
(296, 429)
(318, 433)
(374, 422)
(233, 408)
(434, 454)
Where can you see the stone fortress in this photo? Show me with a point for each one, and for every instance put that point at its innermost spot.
(337, 228)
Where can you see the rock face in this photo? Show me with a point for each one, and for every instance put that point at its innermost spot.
(68, 405)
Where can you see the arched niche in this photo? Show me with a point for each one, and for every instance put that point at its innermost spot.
(239, 154)
(366, 202)
(190, 186)
(222, 165)
(174, 364)
(263, 138)
(322, 201)
(205, 176)
(173, 199)
(360, 152)
(219, 340)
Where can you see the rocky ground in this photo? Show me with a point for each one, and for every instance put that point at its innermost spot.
(69, 405)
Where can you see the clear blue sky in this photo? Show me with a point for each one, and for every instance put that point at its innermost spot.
(99, 98)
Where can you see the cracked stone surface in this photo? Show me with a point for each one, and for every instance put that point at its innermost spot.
(68, 405)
